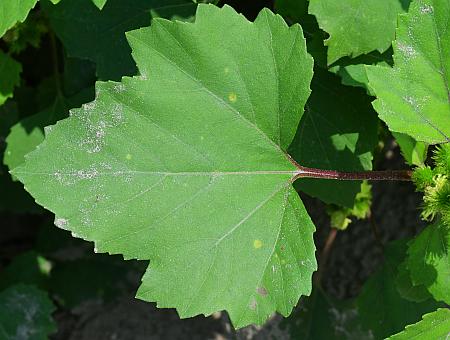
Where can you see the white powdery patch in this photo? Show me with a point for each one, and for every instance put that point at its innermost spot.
(119, 88)
(89, 106)
(87, 174)
(408, 51)
(142, 76)
(117, 114)
(61, 223)
(426, 9)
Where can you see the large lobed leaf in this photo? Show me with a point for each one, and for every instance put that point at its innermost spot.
(413, 97)
(185, 165)
(357, 26)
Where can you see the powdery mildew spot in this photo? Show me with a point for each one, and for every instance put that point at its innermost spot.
(426, 9)
(407, 51)
(61, 223)
(119, 88)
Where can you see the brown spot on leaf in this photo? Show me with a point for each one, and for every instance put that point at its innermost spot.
(262, 291)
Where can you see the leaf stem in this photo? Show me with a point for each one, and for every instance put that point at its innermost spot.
(386, 175)
(55, 62)
(324, 255)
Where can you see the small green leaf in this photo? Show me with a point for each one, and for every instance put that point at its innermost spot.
(13, 11)
(357, 26)
(10, 76)
(413, 96)
(414, 152)
(381, 308)
(99, 36)
(433, 326)
(185, 165)
(99, 3)
(338, 131)
(29, 268)
(13, 197)
(429, 260)
(353, 71)
(25, 313)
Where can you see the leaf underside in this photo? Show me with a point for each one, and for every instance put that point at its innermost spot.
(185, 165)
(413, 97)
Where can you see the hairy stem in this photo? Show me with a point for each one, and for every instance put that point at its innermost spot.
(387, 175)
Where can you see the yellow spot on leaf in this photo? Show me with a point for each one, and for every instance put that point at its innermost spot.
(232, 97)
(128, 156)
(257, 244)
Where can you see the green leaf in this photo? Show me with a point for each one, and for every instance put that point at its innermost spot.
(296, 11)
(29, 268)
(185, 165)
(10, 72)
(29, 132)
(413, 96)
(97, 277)
(99, 36)
(99, 3)
(406, 288)
(357, 26)
(382, 310)
(13, 197)
(433, 326)
(13, 11)
(25, 313)
(429, 260)
(338, 131)
(414, 152)
(353, 71)
(322, 317)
